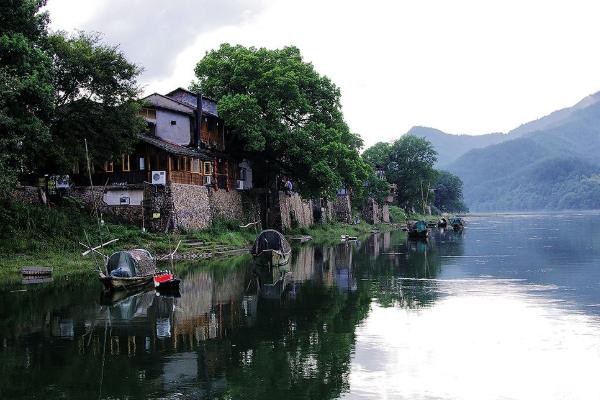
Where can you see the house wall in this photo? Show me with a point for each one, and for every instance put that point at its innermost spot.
(132, 197)
(180, 133)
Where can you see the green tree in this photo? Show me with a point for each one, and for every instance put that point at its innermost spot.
(408, 163)
(95, 92)
(449, 193)
(26, 100)
(286, 116)
(378, 154)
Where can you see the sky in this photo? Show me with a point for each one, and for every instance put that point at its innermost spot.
(462, 66)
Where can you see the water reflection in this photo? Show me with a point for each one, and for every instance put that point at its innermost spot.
(489, 312)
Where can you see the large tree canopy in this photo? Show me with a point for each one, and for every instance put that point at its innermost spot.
(25, 87)
(408, 163)
(449, 193)
(287, 116)
(95, 92)
(56, 90)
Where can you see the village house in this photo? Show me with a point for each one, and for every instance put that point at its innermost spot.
(180, 173)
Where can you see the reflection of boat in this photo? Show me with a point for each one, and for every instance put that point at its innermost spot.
(271, 248)
(129, 269)
(418, 230)
(457, 223)
(111, 298)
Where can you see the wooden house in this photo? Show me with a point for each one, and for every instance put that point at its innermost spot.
(185, 142)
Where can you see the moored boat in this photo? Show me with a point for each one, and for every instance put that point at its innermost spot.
(417, 230)
(457, 223)
(271, 248)
(129, 270)
(442, 222)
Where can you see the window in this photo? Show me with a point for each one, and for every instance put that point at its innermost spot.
(109, 166)
(242, 174)
(173, 122)
(208, 168)
(195, 166)
(125, 163)
(142, 164)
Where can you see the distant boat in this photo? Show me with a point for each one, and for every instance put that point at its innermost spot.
(417, 230)
(271, 248)
(457, 223)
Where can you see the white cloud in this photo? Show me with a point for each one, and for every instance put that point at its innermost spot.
(464, 66)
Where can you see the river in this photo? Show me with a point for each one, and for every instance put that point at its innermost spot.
(507, 309)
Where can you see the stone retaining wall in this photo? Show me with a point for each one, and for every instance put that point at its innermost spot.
(343, 209)
(292, 210)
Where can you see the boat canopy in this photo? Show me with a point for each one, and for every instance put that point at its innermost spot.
(270, 239)
(420, 226)
(130, 263)
(456, 221)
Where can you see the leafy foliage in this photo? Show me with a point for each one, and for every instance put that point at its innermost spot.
(449, 193)
(25, 87)
(287, 117)
(56, 90)
(408, 163)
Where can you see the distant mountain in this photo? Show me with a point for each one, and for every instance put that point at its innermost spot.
(553, 163)
(450, 147)
(556, 118)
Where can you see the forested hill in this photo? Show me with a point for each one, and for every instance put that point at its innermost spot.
(547, 169)
(450, 147)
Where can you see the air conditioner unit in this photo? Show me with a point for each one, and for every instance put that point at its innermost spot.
(207, 180)
(240, 185)
(159, 177)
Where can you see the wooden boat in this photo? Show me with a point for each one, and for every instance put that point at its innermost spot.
(418, 230)
(442, 223)
(457, 224)
(271, 248)
(165, 281)
(129, 270)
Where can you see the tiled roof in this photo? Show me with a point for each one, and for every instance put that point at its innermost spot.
(160, 101)
(174, 148)
(209, 106)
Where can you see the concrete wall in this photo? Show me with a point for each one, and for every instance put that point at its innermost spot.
(119, 197)
(130, 214)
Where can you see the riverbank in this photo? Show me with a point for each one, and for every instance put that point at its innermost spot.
(36, 236)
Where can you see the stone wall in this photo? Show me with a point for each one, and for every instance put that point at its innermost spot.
(343, 210)
(290, 210)
(27, 194)
(371, 213)
(374, 213)
(192, 206)
(236, 205)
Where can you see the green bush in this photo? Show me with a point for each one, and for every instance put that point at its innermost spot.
(397, 214)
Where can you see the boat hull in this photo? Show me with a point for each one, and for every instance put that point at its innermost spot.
(137, 282)
(272, 258)
(418, 235)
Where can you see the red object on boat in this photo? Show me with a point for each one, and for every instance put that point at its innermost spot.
(162, 278)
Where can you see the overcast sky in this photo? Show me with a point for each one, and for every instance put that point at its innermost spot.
(462, 66)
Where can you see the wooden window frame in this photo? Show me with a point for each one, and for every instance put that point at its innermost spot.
(109, 166)
(210, 168)
(125, 166)
(195, 166)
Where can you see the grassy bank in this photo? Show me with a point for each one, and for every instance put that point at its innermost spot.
(49, 237)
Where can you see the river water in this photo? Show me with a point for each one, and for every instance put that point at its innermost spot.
(509, 309)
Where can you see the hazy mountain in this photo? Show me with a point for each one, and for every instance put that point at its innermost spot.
(556, 167)
(556, 118)
(450, 147)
